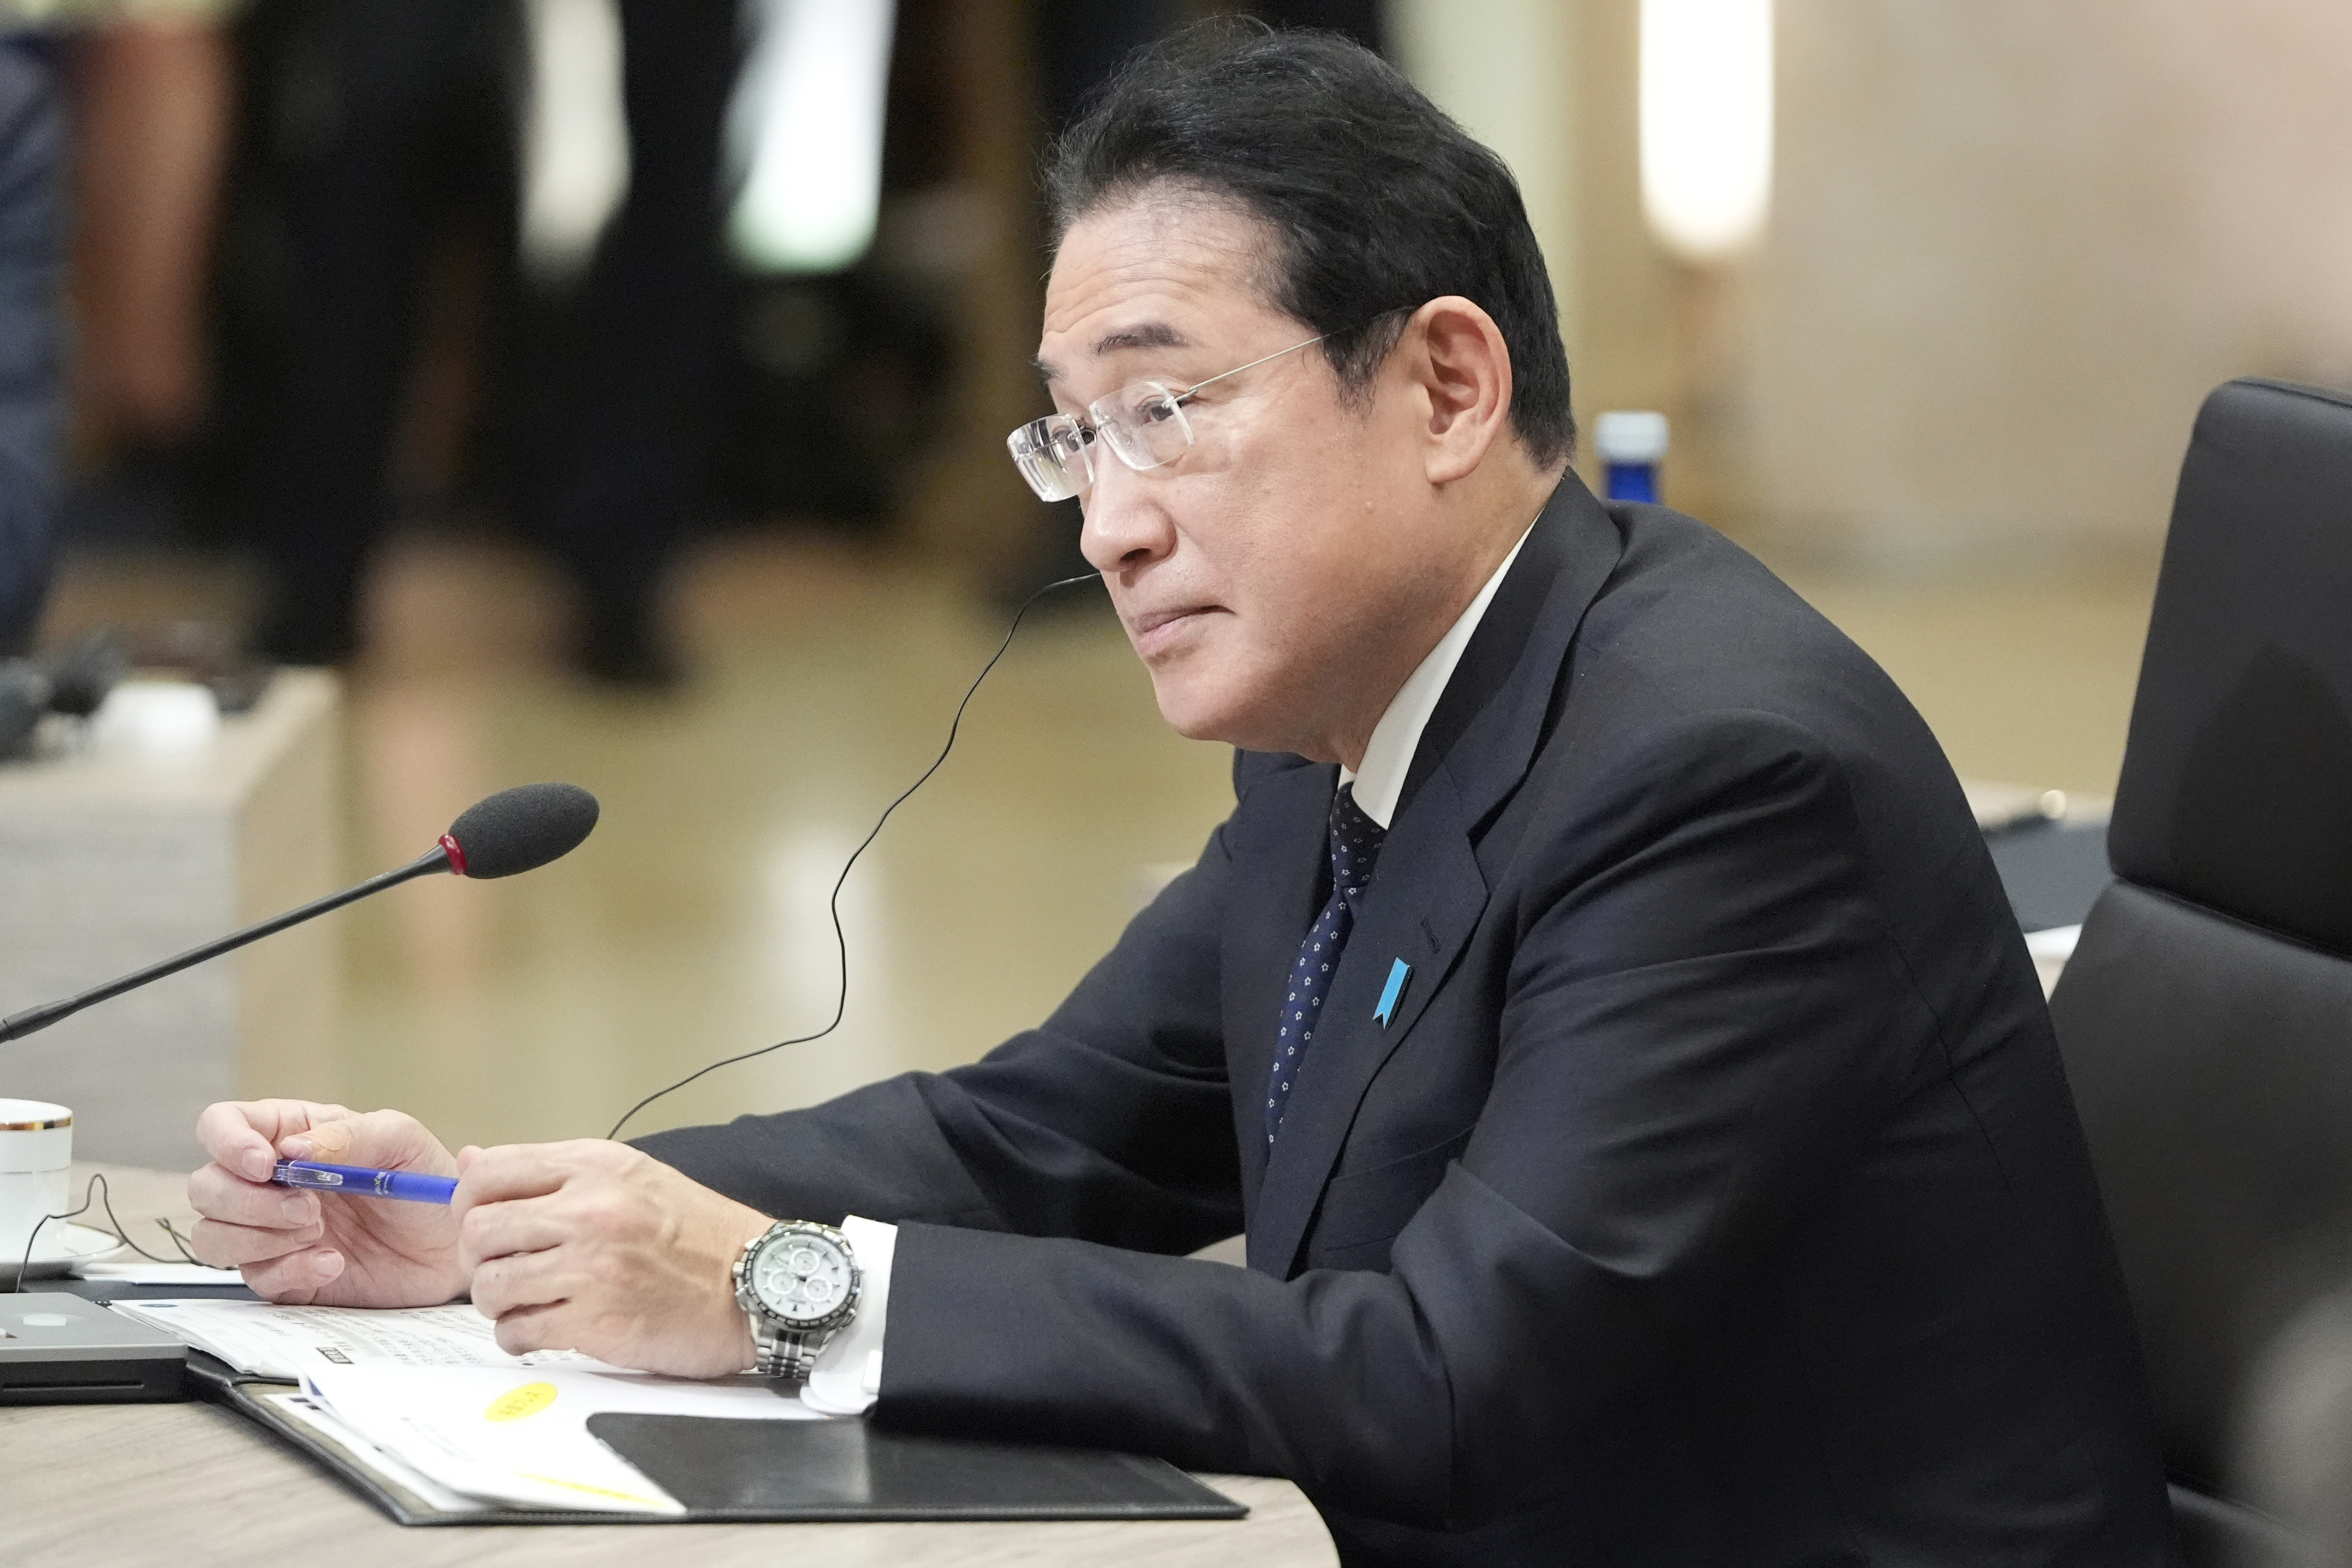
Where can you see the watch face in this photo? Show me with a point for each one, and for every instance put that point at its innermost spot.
(801, 1278)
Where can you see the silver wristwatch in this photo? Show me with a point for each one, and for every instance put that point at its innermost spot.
(798, 1283)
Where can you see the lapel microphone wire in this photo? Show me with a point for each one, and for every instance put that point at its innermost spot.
(833, 905)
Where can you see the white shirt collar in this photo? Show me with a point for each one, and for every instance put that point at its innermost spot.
(1388, 755)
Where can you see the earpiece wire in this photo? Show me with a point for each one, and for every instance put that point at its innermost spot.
(98, 1191)
(833, 905)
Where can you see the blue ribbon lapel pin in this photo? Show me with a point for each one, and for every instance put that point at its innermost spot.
(1393, 992)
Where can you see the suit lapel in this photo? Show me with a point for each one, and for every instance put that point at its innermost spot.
(1422, 905)
(1428, 893)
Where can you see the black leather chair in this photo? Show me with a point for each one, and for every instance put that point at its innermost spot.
(2206, 1016)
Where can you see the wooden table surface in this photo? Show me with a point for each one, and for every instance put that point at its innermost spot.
(129, 1485)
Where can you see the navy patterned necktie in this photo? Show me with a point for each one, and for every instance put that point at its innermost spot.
(1355, 846)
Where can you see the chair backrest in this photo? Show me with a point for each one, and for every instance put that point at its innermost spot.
(2206, 1016)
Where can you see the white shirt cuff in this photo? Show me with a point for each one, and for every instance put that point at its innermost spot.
(848, 1371)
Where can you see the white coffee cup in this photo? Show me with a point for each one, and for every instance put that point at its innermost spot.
(36, 1151)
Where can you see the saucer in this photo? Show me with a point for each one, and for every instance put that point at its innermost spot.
(60, 1245)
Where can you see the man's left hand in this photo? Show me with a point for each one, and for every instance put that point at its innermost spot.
(594, 1246)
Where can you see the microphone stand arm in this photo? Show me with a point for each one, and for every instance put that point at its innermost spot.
(18, 1026)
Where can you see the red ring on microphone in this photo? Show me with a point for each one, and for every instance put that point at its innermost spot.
(457, 856)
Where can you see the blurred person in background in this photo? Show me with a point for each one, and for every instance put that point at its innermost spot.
(379, 127)
(32, 333)
(616, 406)
(151, 87)
(372, 131)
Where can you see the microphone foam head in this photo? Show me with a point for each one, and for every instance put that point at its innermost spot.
(520, 829)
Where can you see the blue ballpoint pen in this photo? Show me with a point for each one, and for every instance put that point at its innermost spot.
(365, 1181)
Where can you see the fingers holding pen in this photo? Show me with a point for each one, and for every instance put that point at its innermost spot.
(217, 1194)
(281, 1262)
(226, 1245)
(296, 1278)
(243, 1135)
(392, 1140)
(244, 1221)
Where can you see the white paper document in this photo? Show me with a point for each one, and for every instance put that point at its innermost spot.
(264, 1340)
(520, 1437)
(305, 1410)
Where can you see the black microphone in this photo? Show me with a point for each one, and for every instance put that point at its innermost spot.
(514, 830)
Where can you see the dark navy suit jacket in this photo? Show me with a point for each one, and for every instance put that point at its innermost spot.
(1712, 1195)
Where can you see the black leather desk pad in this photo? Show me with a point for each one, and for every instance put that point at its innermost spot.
(852, 1469)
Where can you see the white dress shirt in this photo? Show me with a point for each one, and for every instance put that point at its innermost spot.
(848, 1371)
(1388, 755)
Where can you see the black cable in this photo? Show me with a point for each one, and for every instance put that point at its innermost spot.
(122, 1232)
(841, 942)
(99, 1191)
(182, 1242)
(24, 1265)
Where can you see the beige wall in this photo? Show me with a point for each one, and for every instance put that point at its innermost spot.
(2013, 244)
(1551, 86)
(1512, 99)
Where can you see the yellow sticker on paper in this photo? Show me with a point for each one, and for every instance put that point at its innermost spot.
(515, 1404)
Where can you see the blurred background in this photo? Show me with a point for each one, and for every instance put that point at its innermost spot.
(615, 391)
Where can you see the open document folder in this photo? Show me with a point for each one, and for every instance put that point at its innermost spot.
(424, 1397)
(421, 1410)
(521, 1436)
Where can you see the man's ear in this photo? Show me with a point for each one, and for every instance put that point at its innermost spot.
(1456, 356)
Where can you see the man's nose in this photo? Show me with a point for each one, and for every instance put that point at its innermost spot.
(1124, 525)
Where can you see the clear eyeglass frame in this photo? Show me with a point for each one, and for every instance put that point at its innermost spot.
(1144, 424)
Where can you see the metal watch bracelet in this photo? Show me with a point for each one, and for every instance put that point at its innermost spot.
(783, 1351)
(787, 1354)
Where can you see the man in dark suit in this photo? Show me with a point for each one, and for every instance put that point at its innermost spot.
(1600, 1010)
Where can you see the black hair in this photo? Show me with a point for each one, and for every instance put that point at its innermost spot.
(1376, 200)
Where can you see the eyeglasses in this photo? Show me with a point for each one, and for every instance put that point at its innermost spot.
(1143, 423)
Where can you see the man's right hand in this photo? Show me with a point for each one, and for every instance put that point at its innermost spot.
(322, 1248)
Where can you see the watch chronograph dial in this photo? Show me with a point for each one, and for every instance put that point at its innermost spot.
(801, 1279)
